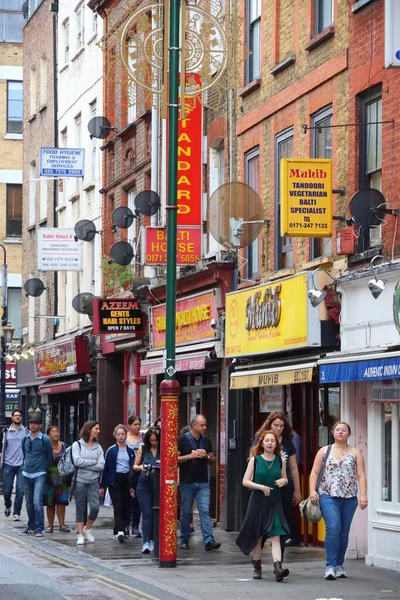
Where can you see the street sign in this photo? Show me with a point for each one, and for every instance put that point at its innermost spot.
(62, 162)
(117, 315)
(58, 250)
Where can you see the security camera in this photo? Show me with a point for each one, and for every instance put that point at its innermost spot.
(213, 324)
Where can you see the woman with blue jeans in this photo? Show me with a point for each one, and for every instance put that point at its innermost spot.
(341, 476)
(146, 461)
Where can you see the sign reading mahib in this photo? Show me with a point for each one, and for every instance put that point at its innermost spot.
(306, 197)
(188, 246)
(117, 315)
(58, 250)
(62, 162)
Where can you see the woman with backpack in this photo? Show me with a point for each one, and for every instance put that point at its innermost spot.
(265, 475)
(88, 458)
(56, 495)
(118, 462)
(146, 461)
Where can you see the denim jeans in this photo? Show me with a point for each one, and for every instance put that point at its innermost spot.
(338, 514)
(145, 495)
(34, 491)
(9, 474)
(201, 493)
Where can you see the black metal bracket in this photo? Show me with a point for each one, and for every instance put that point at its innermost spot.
(339, 192)
(388, 211)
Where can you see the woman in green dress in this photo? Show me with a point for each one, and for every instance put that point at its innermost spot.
(265, 474)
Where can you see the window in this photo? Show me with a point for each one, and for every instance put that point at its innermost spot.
(323, 15)
(14, 310)
(93, 113)
(43, 81)
(390, 419)
(131, 200)
(216, 180)
(78, 131)
(370, 157)
(43, 198)
(283, 245)
(14, 211)
(80, 26)
(321, 148)
(11, 21)
(132, 91)
(253, 27)
(64, 181)
(94, 22)
(32, 193)
(32, 91)
(65, 39)
(14, 107)
(252, 168)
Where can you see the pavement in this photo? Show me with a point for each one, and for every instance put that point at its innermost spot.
(217, 575)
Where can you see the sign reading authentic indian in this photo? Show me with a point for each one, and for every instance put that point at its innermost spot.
(193, 320)
(117, 315)
(306, 197)
(270, 318)
(56, 359)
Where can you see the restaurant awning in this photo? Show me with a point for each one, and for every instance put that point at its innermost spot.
(188, 358)
(62, 387)
(343, 367)
(285, 375)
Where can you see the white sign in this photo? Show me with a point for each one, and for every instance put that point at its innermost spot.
(58, 250)
(387, 390)
(392, 33)
(62, 162)
(271, 398)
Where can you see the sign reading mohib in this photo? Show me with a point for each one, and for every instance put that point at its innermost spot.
(117, 315)
(62, 162)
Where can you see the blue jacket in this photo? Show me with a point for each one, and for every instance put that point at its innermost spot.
(38, 453)
(110, 468)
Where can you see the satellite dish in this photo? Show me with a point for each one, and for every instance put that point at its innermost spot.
(236, 215)
(100, 127)
(122, 217)
(147, 203)
(83, 303)
(34, 287)
(122, 253)
(85, 230)
(365, 205)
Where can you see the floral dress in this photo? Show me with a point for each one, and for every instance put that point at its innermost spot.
(56, 485)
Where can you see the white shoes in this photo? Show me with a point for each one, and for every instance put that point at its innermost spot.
(80, 540)
(16, 518)
(146, 548)
(151, 545)
(88, 535)
(330, 574)
(340, 573)
(121, 537)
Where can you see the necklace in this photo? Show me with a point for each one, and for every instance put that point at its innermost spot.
(269, 463)
(343, 452)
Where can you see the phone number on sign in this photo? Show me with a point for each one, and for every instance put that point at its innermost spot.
(309, 225)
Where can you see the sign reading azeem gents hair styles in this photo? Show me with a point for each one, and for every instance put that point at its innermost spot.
(306, 197)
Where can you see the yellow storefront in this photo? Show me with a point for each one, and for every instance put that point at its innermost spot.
(274, 338)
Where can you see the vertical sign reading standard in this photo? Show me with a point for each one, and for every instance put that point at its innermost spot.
(58, 250)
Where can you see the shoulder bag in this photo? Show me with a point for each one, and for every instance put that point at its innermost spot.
(312, 512)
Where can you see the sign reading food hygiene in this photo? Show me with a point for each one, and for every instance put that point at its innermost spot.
(117, 315)
(306, 197)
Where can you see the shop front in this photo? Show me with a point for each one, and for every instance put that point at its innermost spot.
(274, 338)
(368, 369)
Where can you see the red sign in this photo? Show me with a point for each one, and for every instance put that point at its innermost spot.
(56, 359)
(190, 163)
(188, 246)
(195, 363)
(11, 374)
(193, 320)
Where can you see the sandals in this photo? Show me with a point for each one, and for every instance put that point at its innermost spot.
(64, 528)
(49, 530)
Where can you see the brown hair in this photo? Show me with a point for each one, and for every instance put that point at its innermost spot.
(342, 423)
(287, 432)
(84, 433)
(52, 427)
(258, 448)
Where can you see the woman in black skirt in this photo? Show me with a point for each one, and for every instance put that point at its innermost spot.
(265, 474)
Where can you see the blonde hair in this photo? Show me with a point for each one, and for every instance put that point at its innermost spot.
(342, 423)
(120, 426)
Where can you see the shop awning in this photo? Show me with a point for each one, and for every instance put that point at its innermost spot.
(62, 387)
(190, 362)
(359, 367)
(285, 375)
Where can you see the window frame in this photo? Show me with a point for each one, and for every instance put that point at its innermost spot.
(80, 18)
(252, 269)
(317, 16)
(8, 131)
(250, 74)
(9, 188)
(280, 248)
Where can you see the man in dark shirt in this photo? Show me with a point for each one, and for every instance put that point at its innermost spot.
(194, 455)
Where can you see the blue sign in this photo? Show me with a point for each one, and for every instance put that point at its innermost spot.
(360, 370)
(62, 162)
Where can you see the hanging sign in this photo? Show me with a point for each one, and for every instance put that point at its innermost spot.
(386, 391)
(117, 315)
(62, 162)
(188, 246)
(58, 250)
(306, 197)
(392, 33)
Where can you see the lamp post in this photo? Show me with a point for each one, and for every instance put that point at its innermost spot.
(3, 342)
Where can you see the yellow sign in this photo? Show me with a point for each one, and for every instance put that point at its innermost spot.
(267, 318)
(306, 197)
(241, 381)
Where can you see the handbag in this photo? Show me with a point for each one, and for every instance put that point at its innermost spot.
(312, 512)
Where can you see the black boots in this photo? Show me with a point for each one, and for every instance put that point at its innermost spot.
(280, 572)
(257, 569)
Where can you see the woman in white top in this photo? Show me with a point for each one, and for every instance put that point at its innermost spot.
(342, 477)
